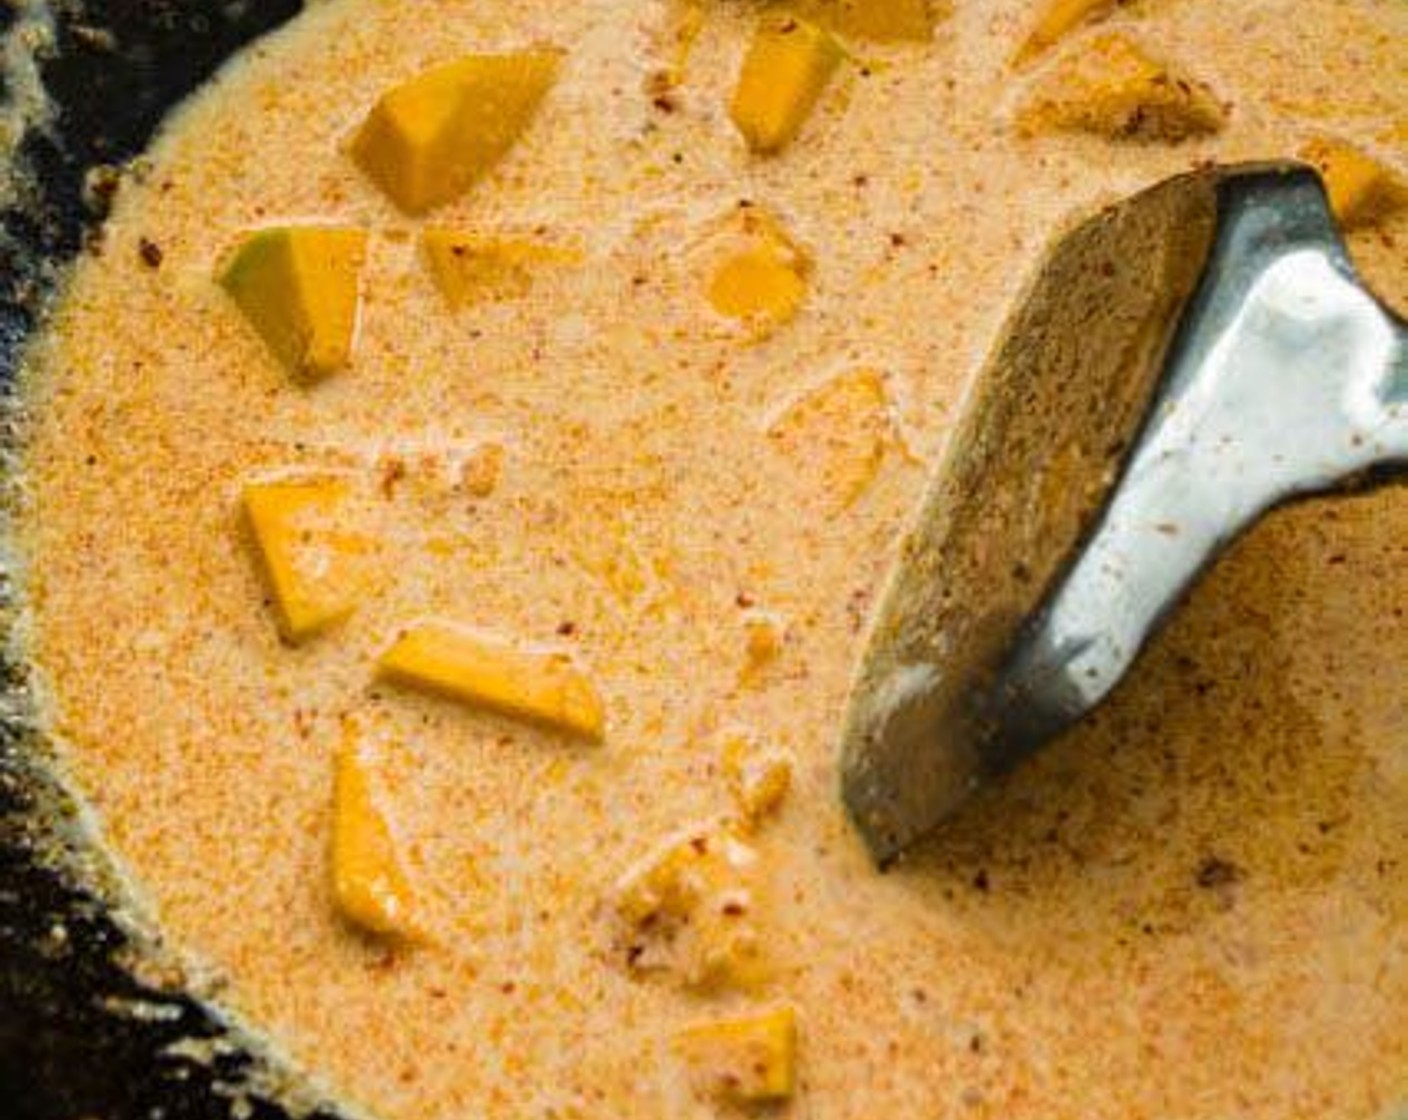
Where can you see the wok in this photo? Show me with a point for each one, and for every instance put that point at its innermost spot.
(93, 1025)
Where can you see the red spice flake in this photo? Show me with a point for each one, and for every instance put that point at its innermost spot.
(392, 472)
(1216, 872)
(383, 961)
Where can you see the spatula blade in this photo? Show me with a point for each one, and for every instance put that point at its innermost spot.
(1044, 432)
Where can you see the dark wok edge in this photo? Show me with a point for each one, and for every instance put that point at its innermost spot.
(93, 1023)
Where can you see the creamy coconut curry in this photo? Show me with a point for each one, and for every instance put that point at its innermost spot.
(457, 485)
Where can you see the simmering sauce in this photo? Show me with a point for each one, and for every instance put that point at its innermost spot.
(1193, 907)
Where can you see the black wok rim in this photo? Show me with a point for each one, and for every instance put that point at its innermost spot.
(92, 1026)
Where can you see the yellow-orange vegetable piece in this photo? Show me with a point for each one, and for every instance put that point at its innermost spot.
(696, 894)
(299, 288)
(787, 67)
(670, 880)
(839, 432)
(541, 687)
(750, 1060)
(758, 777)
(761, 279)
(370, 885)
(308, 563)
(1362, 189)
(428, 140)
(469, 269)
(763, 636)
(759, 284)
(1110, 86)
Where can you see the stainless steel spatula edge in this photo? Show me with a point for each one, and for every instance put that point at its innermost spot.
(1179, 364)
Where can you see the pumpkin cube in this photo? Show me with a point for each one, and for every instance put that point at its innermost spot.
(370, 885)
(469, 269)
(310, 565)
(1111, 87)
(839, 432)
(430, 139)
(542, 687)
(759, 276)
(750, 1060)
(784, 73)
(759, 777)
(1362, 188)
(298, 286)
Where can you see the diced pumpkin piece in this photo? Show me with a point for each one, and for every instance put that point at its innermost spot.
(672, 41)
(430, 139)
(884, 21)
(309, 563)
(674, 877)
(299, 288)
(760, 275)
(758, 285)
(469, 269)
(759, 777)
(763, 634)
(663, 883)
(542, 687)
(839, 433)
(1108, 85)
(750, 1060)
(690, 904)
(787, 67)
(370, 885)
(1362, 189)
(1059, 18)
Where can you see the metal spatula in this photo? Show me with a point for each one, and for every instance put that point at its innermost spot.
(1181, 364)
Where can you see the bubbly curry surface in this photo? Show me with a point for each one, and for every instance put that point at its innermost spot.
(458, 485)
